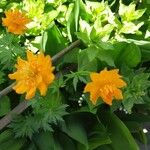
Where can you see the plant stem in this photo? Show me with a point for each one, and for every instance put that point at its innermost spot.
(24, 104)
(17, 110)
(6, 90)
(66, 50)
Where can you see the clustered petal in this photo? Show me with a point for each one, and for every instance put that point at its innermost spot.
(35, 73)
(15, 21)
(106, 85)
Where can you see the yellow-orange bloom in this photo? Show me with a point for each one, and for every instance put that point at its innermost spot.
(106, 85)
(35, 73)
(15, 21)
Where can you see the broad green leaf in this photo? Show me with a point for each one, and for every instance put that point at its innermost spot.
(31, 146)
(85, 13)
(84, 63)
(106, 56)
(140, 118)
(83, 36)
(53, 41)
(119, 134)
(144, 46)
(130, 55)
(4, 106)
(66, 142)
(104, 147)
(133, 126)
(72, 23)
(12, 144)
(79, 10)
(74, 128)
(44, 140)
(98, 136)
(2, 80)
(5, 136)
(71, 57)
(92, 52)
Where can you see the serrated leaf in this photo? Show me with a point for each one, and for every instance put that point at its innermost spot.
(136, 90)
(9, 50)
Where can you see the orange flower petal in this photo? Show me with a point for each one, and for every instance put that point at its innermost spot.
(35, 73)
(106, 85)
(30, 93)
(15, 21)
(43, 88)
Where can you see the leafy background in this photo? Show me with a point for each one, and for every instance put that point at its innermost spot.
(113, 34)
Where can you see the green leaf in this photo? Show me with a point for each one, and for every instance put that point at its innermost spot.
(104, 147)
(52, 112)
(53, 41)
(71, 57)
(73, 21)
(74, 128)
(31, 146)
(5, 136)
(140, 118)
(84, 63)
(10, 50)
(128, 13)
(130, 55)
(2, 80)
(4, 105)
(144, 46)
(66, 142)
(136, 90)
(98, 136)
(130, 27)
(44, 141)
(92, 52)
(12, 144)
(75, 81)
(106, 56)
(119, 134)
(83, 36)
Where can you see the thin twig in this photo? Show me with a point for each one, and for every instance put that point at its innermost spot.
(17, 110)
(6, 90)
(24, 104)
(54, 59)
(66, 50)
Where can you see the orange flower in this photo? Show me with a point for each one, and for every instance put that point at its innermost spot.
(35, 73)
(106, 85)
(15, 21)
